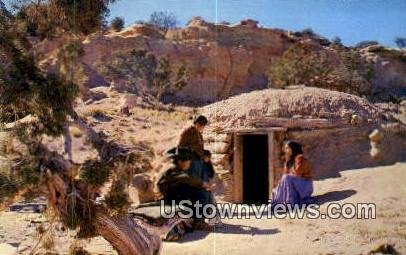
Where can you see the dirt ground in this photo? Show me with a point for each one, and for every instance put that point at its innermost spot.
(385, 186)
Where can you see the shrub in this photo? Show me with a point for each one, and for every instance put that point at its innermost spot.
(400, 42)
(117, 24)
(302, 64)
(141, 66)
(163, 20)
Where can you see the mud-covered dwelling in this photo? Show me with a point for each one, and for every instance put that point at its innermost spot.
(338, 131)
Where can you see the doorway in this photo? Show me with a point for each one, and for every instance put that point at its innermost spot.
(255, 169)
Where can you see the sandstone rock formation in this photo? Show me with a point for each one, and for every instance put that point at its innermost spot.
(223, 60)
(389, 70)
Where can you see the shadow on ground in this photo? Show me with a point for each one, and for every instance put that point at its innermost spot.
(334, 196)
(229, 229)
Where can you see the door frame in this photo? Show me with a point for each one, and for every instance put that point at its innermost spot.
(238, 163)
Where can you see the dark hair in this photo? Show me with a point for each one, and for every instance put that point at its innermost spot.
(201, 120)
(206, 153)
(180, 153)
(296, 150)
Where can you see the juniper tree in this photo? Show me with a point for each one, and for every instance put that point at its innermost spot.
(163, 20)
(400, 42)
(155, 73)
(300, 64)
(47, 18)
(117, 24)
(337, 41)
(34, 104)
(305, 64)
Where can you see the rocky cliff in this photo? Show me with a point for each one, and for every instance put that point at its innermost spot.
(222, 60)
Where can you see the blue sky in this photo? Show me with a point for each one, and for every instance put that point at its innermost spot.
(352, 20)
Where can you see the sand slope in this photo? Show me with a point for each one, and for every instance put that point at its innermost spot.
(385, 186)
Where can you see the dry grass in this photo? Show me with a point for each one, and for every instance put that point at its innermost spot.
(94, 110)
(48, 243)
(76, 132)
(160, 116)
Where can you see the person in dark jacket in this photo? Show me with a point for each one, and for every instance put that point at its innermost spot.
(176, 184)
(192, 138)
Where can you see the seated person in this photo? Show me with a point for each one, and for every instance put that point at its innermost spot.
(208, 173)
(208, 166)
(177, 185)
(296, 185)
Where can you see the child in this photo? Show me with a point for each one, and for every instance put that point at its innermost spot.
(208, 169)
(208, 173)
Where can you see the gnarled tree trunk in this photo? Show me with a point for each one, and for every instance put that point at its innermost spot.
(125, 236)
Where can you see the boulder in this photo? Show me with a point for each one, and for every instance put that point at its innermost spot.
(140, 30)
(375, 136)
(249, 23)
(144, 187)
(356, 120)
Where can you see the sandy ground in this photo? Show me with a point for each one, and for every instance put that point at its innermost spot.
(385, 186)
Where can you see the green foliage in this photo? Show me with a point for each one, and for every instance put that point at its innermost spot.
(46, 18)
(25, 174)
(79, 214)
(70, 52)
(7, 187)
(354, 73)
(117, 24)
(156, 73)
(85, 16)
(392, 54)
(95, 173)
(136, 63)
(400, 42)
(309, 32)
(302, 64)
(337, 41)
(29, 175)
(70, 68)
(26, 90)
(139, 162)
(117, 199)
(163, 20)
(181, 77)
